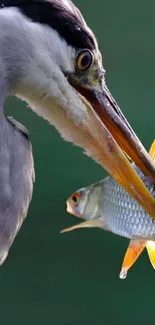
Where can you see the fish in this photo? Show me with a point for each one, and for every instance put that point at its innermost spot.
(106, 205)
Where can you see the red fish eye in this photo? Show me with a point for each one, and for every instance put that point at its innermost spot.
(84, 60)
(76, 197)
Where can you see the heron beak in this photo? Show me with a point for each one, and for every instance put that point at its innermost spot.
(113, 143)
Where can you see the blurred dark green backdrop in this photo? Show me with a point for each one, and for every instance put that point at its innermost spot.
(72, 279)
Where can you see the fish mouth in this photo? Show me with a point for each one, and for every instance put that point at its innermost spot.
(113, 143)
(72, 209)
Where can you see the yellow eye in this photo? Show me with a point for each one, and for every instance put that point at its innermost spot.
(84, 60)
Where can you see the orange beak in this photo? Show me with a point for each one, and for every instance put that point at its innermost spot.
(112, 142)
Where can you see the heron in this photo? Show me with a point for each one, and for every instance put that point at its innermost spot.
(50, 58)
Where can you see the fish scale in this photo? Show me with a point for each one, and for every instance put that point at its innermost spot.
(122, 214)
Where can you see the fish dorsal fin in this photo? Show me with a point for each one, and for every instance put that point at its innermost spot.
(151, 252)
(135, 248)
(152, 151)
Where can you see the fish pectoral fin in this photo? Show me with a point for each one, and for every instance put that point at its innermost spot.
(85, 224)
(152, 151)
(135, 248)
(150, 246)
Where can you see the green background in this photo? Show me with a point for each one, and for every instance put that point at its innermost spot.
(73, 278)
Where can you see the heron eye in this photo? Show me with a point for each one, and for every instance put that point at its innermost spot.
(76, 198)
(84, 60)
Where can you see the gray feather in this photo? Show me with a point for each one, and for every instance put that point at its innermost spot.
(16, 182)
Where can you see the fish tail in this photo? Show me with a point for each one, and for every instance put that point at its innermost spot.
(150, 246)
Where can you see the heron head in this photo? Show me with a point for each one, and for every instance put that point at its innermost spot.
(70, 78)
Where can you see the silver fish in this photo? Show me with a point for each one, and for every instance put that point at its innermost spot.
(107, 205)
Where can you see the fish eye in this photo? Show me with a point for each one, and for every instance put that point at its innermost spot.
(84, 60)
(76, 198)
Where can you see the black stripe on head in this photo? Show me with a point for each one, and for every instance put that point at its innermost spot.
(68, 22)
